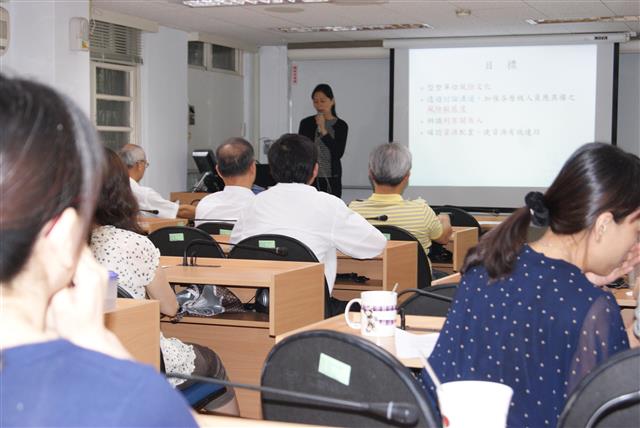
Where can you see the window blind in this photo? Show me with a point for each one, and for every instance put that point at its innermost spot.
(115, 43)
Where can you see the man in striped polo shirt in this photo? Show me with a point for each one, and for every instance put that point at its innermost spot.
(389, 170)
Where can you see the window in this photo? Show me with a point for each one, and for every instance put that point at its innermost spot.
(223, 58)
(196, 54)
(212, 57)
(114, 103)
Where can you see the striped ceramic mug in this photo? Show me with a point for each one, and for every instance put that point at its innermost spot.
(377, 313)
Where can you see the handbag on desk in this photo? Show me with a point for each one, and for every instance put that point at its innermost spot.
(207, 301)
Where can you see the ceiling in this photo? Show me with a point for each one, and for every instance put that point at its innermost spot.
(256, 25)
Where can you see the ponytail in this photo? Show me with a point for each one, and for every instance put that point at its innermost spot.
(498, 249)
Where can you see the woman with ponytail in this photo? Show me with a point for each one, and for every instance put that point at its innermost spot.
(532, 316)
(330, 136)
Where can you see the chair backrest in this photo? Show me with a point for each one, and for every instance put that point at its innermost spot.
(296, 252)
(398, 234)
(459, 217)
(429, 306)
(609, 396)
(340, 366)
(124, 294)
(216, 228)
(172, 241)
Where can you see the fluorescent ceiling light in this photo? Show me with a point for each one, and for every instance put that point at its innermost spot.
(354, 28)
(625, 18)
(211, 3)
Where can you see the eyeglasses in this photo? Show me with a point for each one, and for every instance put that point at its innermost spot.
(146, 163)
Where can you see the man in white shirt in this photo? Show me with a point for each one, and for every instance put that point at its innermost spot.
(148, 199)
(236, 165)
(295, 209)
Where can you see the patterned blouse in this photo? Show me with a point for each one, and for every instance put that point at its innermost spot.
(135, 259)
(539, 330)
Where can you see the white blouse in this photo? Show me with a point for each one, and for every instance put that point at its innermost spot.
(135, 259)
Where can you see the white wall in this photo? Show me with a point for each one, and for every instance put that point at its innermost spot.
(39, 47)
(629, 103)
(273, 93)
(164, 109)
(218, 99)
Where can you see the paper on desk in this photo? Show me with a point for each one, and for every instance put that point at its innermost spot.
(409, 345)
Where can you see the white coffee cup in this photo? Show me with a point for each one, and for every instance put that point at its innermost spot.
(474, 403)
(377, 313)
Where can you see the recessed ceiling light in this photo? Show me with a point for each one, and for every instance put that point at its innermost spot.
(625, 18)
(329, 29)
(212, 3)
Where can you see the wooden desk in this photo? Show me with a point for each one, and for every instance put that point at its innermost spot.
(624, 297)
(137, 324)
(462, 239)
(151, 224)
(415, 323)
(398, 263)
(489, 222)
(215, 421)
(243, 340)
(187, 198)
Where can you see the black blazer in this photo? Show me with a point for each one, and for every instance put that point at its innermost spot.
(335, 145)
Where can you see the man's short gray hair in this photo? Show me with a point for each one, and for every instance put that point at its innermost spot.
(131, 154)
(389, 163)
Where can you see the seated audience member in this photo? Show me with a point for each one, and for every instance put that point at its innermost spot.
(389, 170)
(148, 199)
(531, 315)
(57, 357)
(294, 208)
(237, 167)
(119, 245)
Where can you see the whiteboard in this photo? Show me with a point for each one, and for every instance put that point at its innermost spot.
(361, 90)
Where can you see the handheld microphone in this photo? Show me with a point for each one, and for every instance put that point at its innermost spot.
(399, 413)
(279, 251)
(156, 212)
(382, 217)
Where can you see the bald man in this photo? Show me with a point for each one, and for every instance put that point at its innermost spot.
(148, 199)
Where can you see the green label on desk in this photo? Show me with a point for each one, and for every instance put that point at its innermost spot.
(173, 237)
(225, 232)
(335, 369)
(387, 236)
(266, 243)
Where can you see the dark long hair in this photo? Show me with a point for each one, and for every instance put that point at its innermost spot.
(328, 92)
(50, 160)
(116, 205)
(597, 178)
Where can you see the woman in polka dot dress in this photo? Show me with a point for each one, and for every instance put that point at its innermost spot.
(531, 315)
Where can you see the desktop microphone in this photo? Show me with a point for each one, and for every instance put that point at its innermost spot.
(156, 212)
(403, 320)
(382, 217)
(279, 251)
(399, 413)
(199, 183)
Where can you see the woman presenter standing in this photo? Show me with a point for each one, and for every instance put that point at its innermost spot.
(330, 136)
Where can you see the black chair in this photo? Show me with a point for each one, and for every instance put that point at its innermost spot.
(253, 248)
(198, 394)
(398, 234)
(216, 228)
(459, 217)
(609, 396)
(429, 305)
(172, 241)
(339, 366)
